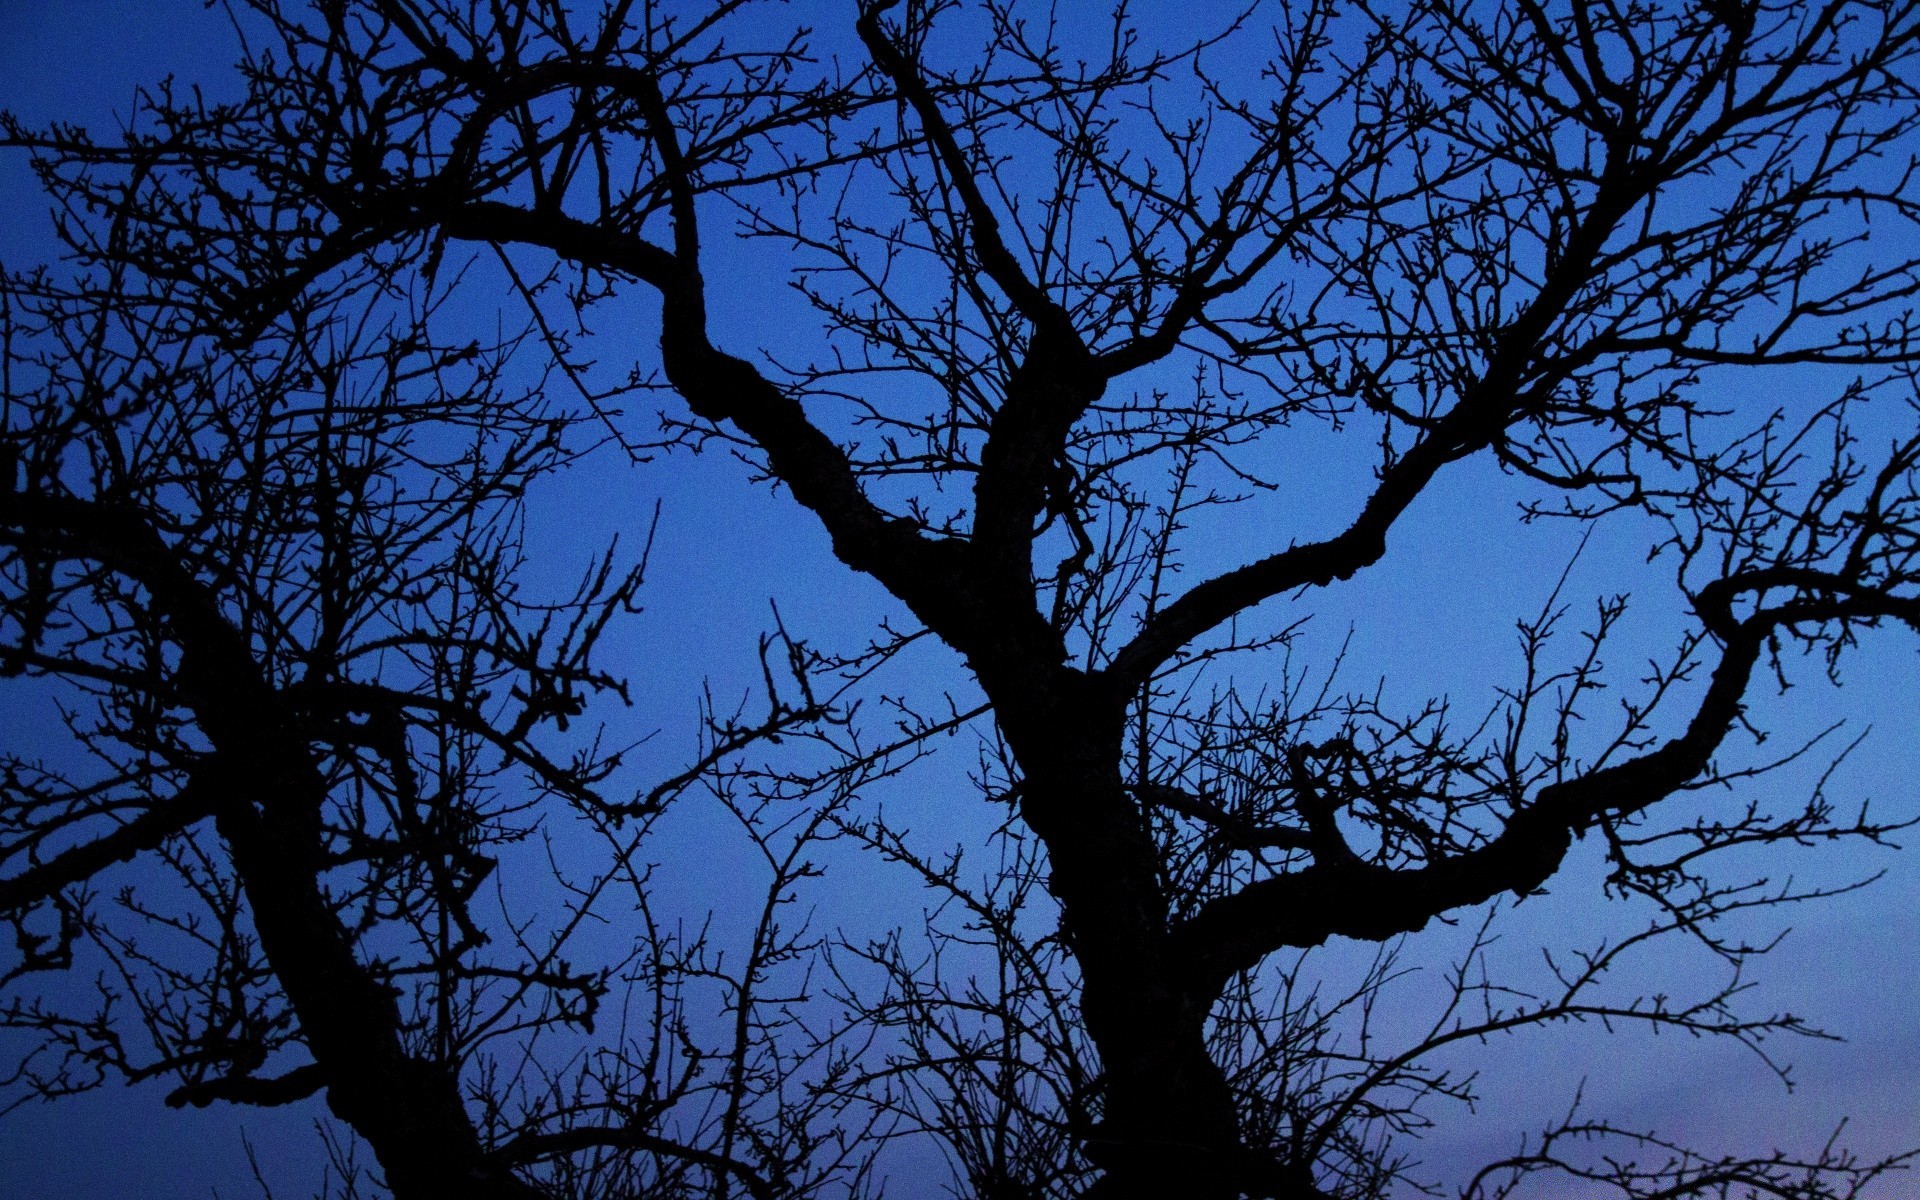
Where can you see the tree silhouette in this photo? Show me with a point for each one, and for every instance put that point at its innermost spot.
(1080, 291)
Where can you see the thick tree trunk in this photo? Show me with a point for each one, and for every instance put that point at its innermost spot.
(408, 1109)
(269, 796)
(1168, 1125)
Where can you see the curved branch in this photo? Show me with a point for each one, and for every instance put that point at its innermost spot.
(533, 1146)
(718, 386)
(1356, 899)
(296, 1085)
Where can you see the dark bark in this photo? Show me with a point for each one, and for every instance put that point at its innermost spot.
(1501, 352)
(1167, 1121)
(266, 796)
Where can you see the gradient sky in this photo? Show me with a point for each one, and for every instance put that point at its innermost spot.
(1436, 617)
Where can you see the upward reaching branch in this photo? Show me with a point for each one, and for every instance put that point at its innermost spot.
(1081, 294)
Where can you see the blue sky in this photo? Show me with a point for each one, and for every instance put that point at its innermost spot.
(1437, 617)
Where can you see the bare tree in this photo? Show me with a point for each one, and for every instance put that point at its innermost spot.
(280, 580)
(1079, 292)
(272, 590)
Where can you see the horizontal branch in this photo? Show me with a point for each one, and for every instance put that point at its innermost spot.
(534, 1146)
(1356, 899)
(294, 1086)
(582, 242)
(1227, 826)
(145, 832)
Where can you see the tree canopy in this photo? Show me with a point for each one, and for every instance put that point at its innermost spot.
(1099, 299)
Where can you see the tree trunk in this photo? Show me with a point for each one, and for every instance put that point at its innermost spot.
(407, 1108)
(1168, 1126)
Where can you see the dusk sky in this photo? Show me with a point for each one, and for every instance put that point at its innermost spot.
(1437, 617)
